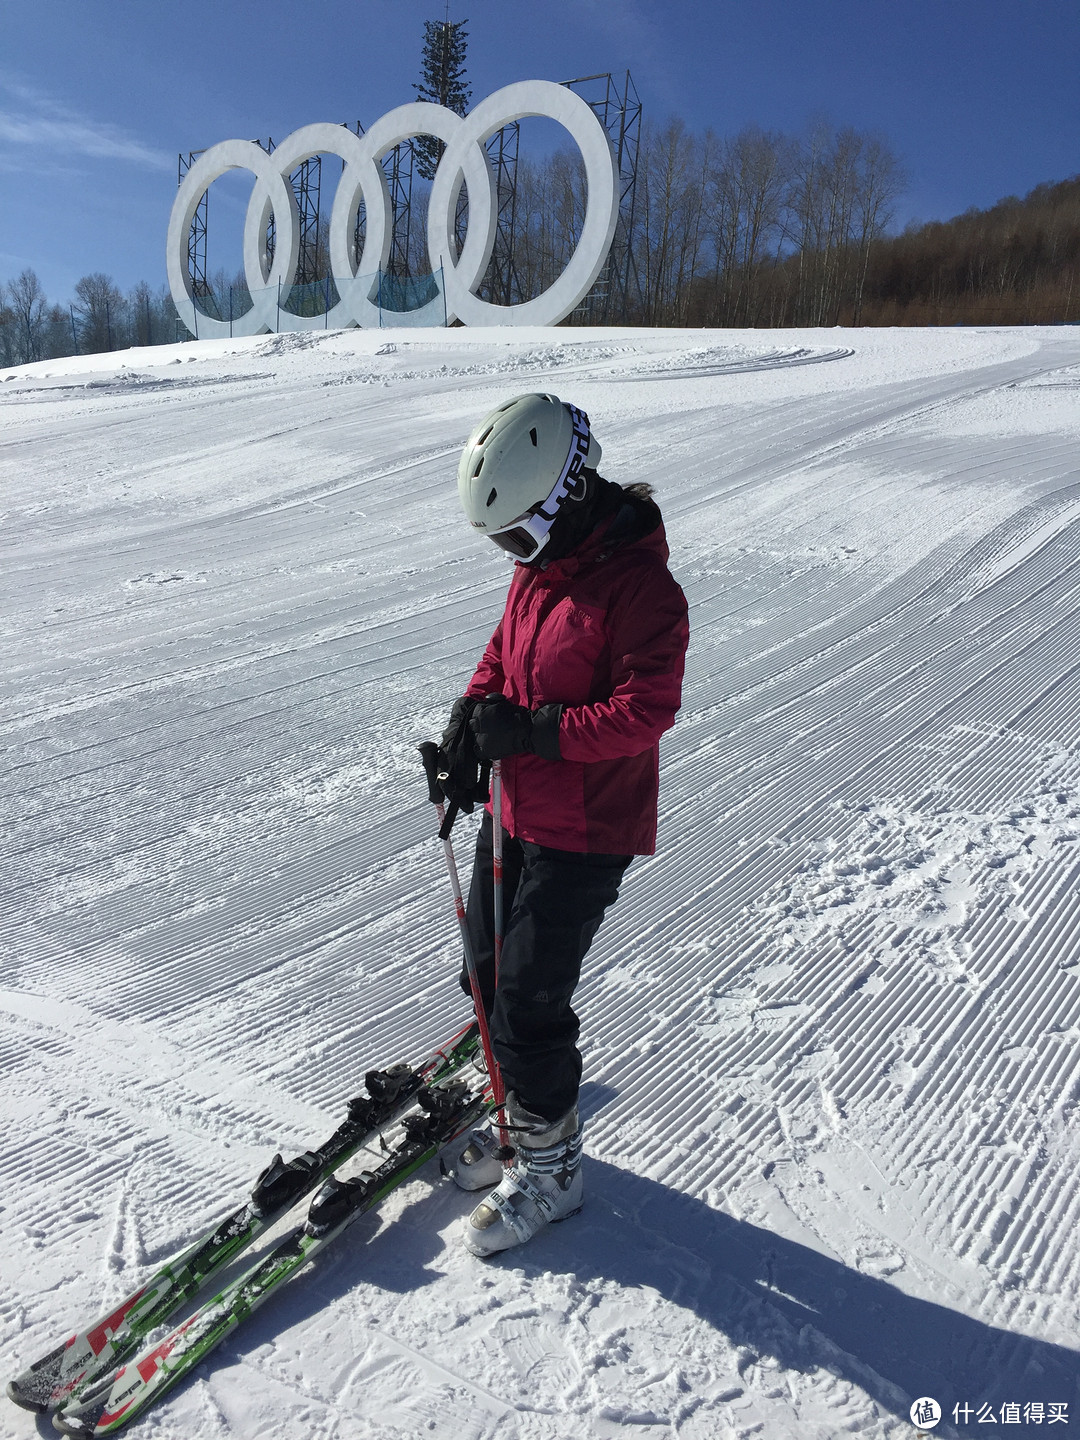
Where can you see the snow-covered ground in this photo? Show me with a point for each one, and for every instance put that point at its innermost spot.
(832, 1028)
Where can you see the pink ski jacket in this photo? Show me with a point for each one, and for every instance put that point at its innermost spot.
(603, 632)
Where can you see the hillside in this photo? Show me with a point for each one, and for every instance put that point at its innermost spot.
(1015, 263)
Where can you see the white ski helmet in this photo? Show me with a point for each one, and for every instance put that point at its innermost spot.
(520, 465)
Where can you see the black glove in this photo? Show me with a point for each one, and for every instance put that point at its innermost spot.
(457, 738)
(455, 772)
(501, 729)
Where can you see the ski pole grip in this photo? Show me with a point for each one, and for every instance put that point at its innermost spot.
(429, 753)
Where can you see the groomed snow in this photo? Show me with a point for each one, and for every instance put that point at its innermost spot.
(832, 1030)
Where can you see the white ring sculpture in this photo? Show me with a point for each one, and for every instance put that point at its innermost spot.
(464, 161)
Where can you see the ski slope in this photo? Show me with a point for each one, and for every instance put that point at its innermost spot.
(832, 1029)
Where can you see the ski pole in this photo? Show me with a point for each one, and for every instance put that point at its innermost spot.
(497, 858)
(429, 751)
(497, 898)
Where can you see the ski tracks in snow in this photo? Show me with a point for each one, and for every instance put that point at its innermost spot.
(830, 1030)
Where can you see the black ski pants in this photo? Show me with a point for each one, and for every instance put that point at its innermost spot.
(553, 903)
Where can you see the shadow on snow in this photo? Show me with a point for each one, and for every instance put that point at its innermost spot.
(771, 1295)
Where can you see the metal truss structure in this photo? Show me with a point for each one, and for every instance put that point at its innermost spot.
(501, 285)
(617, 296)
(197, 235)
(398, 168)
(306, 182)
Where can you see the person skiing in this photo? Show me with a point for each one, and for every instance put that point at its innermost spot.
(580, 679)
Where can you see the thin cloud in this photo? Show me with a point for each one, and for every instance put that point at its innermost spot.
(642, 41)
(38, 123)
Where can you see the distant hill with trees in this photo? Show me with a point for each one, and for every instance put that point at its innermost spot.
(771, 230)
(1017, 263)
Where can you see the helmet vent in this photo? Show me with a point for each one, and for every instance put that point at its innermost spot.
(532, 435)
(491, 497)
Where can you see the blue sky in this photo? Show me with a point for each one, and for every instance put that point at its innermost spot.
(981, 98)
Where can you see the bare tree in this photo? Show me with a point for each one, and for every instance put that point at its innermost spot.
(58, 335)
(881, 180)
(28, 307)
(547, 219)
(668, 229)
(101, 310)
(7, 331)
(809, 219)
(841, 184)
(745, 189)
(140, 311)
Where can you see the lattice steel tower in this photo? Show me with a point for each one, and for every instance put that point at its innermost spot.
(617, 296)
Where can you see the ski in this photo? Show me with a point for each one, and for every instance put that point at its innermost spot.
(91, 1355)
(446, 1110)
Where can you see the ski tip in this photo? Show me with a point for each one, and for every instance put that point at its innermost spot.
(20, 1397)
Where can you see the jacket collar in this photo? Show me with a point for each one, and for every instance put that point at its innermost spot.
(628, 526)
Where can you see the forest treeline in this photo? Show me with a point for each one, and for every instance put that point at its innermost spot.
(99, 317)
(765, 229)
(760, 229)
(1017, 263)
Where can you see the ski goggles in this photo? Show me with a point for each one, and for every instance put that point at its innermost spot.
(526, 536)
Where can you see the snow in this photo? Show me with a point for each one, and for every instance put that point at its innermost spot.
(831, 1029)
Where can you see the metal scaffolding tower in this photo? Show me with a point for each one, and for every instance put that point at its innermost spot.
(196, 250)
(500, 285)
(398, 168)
(306, 182)
(617, 296)
(271, 230)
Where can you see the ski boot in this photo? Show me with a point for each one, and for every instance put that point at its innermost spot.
(543, 1184)
(475, 1162)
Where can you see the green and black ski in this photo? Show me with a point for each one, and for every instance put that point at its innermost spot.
(92, 1355)
(444, 1111)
